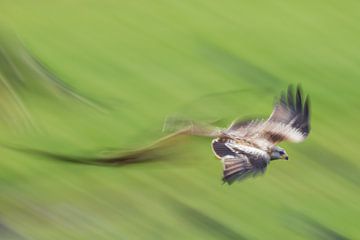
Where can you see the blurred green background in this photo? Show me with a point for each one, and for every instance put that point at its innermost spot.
(145, 60)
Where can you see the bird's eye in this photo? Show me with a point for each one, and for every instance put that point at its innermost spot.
(281, 152)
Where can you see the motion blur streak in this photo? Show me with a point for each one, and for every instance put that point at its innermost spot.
(142, 61)
(23, 76)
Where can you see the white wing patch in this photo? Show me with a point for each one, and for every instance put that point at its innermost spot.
(266, 133)
(240, 148)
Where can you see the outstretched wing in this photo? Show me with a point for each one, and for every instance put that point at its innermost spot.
(289, 121)
(293, 111)
(238, 162)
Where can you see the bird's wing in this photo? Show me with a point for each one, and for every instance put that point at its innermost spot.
(238, 163)
(292, 115)
(289, 121)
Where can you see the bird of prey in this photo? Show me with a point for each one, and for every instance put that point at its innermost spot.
(245, 148)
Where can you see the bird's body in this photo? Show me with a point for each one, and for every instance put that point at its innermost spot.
(239, 158)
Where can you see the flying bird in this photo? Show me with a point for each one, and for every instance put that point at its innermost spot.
(245, 148)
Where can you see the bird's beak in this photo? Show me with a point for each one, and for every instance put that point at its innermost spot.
(285, 157)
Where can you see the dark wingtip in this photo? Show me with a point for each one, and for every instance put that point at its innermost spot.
(290, 96)
(306, 116)
(307, 108)
(228, 180)
(282, 99)
(298, 99)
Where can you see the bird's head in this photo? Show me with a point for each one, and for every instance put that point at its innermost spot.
(278, 153)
